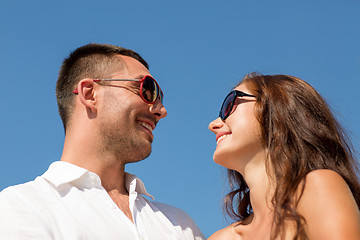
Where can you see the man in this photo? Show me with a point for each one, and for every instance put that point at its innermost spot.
(109, 104)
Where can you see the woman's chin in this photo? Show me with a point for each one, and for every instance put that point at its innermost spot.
(222, 160)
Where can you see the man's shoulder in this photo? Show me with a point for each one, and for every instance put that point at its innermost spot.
(178, 217)
(169, 209)
(21, 213)
(40, 187)
(176, 214)
(17, 189)
(24, 192)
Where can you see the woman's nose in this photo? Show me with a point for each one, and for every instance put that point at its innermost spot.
(215, 125)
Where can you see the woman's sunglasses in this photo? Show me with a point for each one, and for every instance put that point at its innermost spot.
(150, 91)
(229, 101)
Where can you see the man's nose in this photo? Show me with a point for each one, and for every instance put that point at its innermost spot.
(158, 110)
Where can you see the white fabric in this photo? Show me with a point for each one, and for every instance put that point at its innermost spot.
(68, 202)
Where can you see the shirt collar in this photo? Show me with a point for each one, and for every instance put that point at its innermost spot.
(134, 184)
(61, 172)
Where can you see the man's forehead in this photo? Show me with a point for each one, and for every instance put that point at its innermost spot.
(131, 68)
(130, 61)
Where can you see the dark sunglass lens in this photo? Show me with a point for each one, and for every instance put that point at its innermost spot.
(227, 106)
(150, 90)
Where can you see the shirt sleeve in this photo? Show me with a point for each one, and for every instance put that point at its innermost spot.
(19, 218)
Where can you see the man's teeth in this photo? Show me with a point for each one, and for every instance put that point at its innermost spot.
(148, 126)
(222, 137)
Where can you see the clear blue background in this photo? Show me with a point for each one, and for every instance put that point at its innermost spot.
(197, 50)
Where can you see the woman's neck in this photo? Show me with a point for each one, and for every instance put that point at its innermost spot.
(261, 191)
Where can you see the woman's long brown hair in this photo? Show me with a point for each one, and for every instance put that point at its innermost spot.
(301, 135)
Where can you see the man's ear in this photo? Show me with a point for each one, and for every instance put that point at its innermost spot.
(86, 92)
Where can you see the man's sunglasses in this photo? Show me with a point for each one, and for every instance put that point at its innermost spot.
(150, 91)
(229, 101)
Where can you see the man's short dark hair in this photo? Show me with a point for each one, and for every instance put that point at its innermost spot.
(90, 61)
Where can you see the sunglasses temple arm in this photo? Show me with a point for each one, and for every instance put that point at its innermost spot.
(242, 94)
(134, 80)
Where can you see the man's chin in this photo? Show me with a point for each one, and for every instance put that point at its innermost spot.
(141, 155)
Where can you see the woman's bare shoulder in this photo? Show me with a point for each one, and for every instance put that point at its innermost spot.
(324, 183)
(327, 188)
(225, 233)
(328, 206)
(324, 177)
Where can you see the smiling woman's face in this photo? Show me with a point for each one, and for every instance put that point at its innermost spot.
(238, 137)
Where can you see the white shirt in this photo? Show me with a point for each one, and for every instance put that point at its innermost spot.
(68, 202)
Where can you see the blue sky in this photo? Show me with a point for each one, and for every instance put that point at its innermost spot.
(197, 50)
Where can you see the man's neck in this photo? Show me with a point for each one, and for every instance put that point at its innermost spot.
(113, 178)
(108, 167)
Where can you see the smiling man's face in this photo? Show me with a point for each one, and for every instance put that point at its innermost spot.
(125, 121)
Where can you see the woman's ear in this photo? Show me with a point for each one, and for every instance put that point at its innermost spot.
(86, 92)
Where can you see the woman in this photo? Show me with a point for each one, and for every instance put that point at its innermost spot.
(292, 173)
